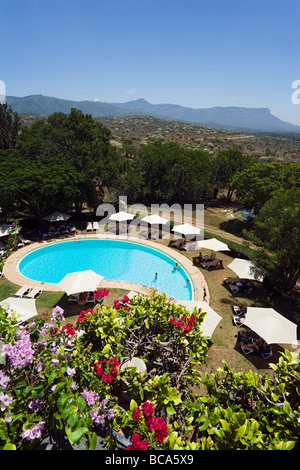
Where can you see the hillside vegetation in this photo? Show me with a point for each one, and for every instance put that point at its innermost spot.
(137, 130)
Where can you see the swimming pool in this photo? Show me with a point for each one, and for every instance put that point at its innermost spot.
(114, 259)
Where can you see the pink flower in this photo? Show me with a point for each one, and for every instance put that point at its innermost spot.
(137, 443)
(160, 428)
(192, 319)
(148, 408)
(136, 414)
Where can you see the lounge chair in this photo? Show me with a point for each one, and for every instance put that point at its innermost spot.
(178, 243)
(73, 298)
(22, 291)
(231, 280)
(54, 230)
(90, 299)
(95, 225)
(23, 240)
(245, 349)
(238, 320)
(265, 353)
(63, 229)
(35, 291)
(189, 246)
(71, 228)
(44, 233)
(212, 264)
(238, 287)
(89, 226)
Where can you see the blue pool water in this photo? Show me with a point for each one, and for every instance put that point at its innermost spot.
(113, 259)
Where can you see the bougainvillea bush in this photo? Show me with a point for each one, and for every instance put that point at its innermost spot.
(60, 377)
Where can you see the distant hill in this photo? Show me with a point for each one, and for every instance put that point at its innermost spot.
(233, 118)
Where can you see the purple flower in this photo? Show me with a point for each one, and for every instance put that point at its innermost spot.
(34, 433)
(90, 397)
(21, 353)
(57, 311)
(35, 404)
(4, 379)
(5, 400)
(70, 371)
(110, 414)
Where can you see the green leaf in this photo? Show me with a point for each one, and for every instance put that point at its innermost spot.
(75, 436)
(9, 446)
(133, 405)
(73, 419)
(92, 441)
(106, 349)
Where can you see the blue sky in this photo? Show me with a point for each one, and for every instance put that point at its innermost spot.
(196, 53)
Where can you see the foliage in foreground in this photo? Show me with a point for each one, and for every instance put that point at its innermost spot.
(72, 380)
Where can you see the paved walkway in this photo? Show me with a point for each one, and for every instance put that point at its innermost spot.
(12, 273)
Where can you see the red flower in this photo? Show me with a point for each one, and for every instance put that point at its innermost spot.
(172, 320)
(148, 408)
(183, 318)
(100, 293)
(180, 324)
(160, 428)
(137, 444)
(188, 328)
(136, 414)
(192, 319)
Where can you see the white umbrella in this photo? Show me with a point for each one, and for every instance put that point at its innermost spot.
(155, 219)
(121, 216)
(213, 244)
(5, 230)
(25, 308)
(186, 229)
(81, 281)
(57, 217)
(270, 325)
(211, 318)
(245, 269)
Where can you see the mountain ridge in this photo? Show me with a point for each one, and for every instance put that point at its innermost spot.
(230, 117)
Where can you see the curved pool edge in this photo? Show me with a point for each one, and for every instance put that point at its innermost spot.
(12, 273)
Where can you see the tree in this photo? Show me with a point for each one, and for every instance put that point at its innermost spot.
(168, 173)
(227, 163)
(36, 186)
(83, 144)
(277, 230)
(9, 127)
(255, 185)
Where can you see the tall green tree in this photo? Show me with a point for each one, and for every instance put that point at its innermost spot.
(255, 185)
(227, 163)
(9, 127)
(277, 231)
(80, 142)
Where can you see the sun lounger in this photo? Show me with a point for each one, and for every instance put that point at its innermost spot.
(35, 291)
(238, 287)
(212, 264)
(54, 230)
(95, 225)
(71, 228)
(178, 243)
(89, 226)
(63, 229)
(73, 298)
(189, 246)
(238, 320)
(44, 233)
(23, 240)
(22, 291)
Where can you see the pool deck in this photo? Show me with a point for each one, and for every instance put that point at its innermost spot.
(12, 273)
